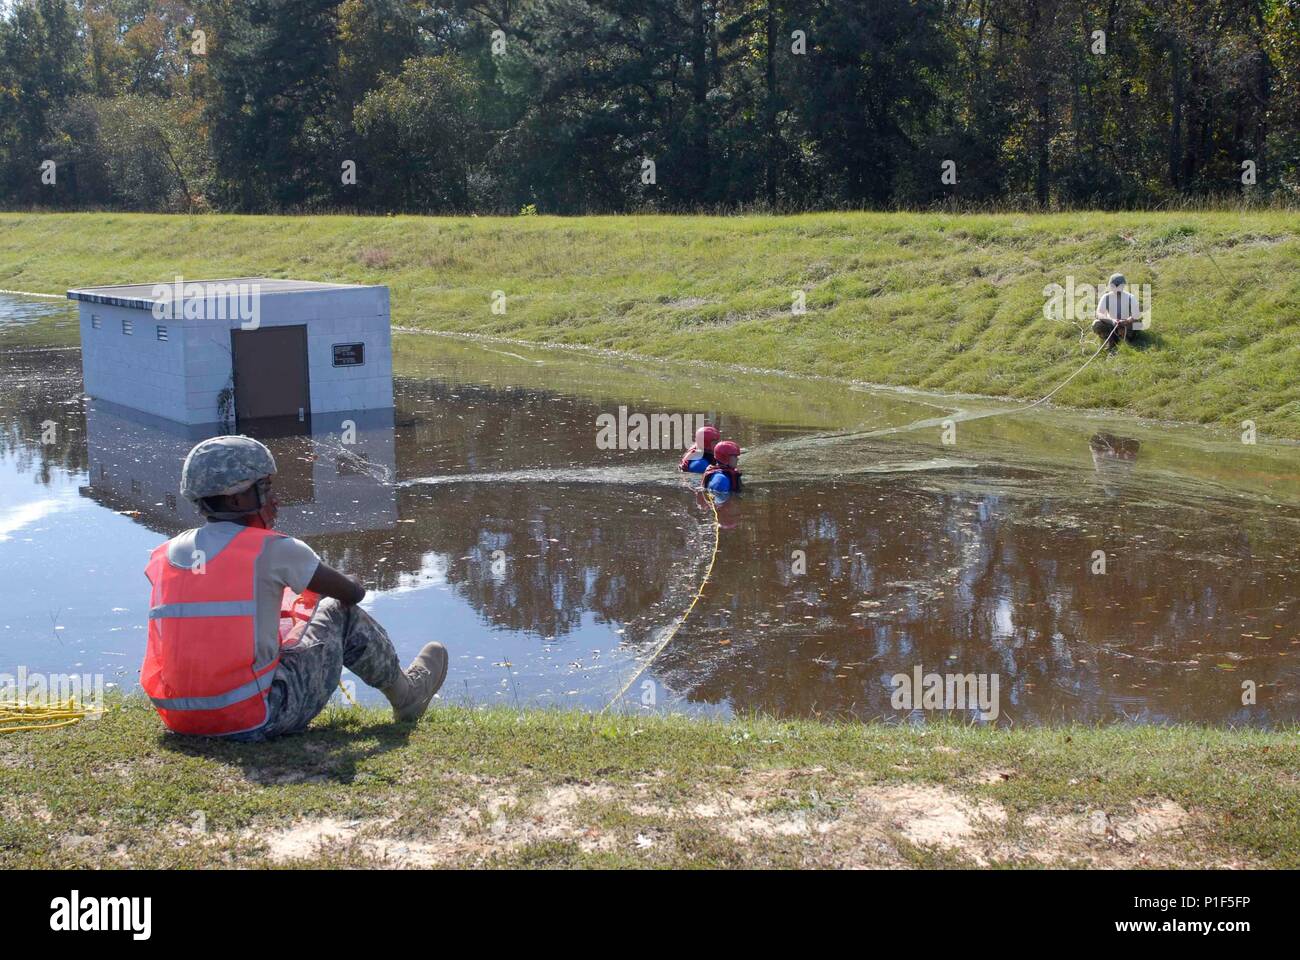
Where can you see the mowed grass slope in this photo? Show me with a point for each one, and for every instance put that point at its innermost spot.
(939, 301)
(468, 787)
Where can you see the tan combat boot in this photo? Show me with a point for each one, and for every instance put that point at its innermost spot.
(411, 692)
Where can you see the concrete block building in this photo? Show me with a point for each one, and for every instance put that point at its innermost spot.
(229, 352)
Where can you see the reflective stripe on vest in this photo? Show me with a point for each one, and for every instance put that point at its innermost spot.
(204, 668)
(211, 608)
(215, 703)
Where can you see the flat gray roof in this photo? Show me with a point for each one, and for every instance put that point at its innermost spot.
(141, 295)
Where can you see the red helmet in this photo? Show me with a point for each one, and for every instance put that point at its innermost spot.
(726, 448)
(706, 437)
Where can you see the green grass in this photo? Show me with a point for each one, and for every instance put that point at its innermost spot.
(940, 301)
(552, 788)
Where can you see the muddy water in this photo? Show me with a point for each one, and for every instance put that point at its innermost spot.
(482, 513)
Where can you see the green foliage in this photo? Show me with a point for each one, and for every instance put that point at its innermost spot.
(273, 66)
(40, 68)
(134, 152)
(418, 136)
(774, 104)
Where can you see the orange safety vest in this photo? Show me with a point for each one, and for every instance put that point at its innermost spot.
(202, 666)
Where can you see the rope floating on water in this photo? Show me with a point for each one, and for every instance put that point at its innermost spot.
(708, 572)
(17, 716)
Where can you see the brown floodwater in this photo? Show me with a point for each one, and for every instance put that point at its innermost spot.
(484, 513)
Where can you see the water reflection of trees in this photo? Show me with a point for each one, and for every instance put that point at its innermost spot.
(470, 428)
(900, 571)
(612, 552)
(466, 428)
(568, 551)
(571, 551)
(899, 576)
(39, 386)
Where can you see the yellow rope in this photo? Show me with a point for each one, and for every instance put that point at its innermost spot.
(708, 572)
(17, 716)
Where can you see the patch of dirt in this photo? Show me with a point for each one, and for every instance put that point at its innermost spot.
(309, 838)
(375, 257)
(810, 817)
(14, 808)
(1100, 838)
(558, 801)
(994, 775)
(88, 842)
(499, 823)
(932, 815)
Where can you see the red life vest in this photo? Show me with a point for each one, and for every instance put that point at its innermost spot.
(203, 668)
(694, 453)
(731, 473)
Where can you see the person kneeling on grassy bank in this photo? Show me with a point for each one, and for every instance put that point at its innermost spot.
(216, 663)
(1117, 311)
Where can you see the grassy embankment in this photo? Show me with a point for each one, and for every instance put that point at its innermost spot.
(570, 789)
(943, 302)
(466, 787)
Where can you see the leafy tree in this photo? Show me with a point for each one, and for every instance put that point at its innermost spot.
(135, 152)
(564, 104)
(273, 67)
(419, 136)
(41, 66)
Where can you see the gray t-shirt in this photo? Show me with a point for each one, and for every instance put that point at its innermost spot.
(283, 562)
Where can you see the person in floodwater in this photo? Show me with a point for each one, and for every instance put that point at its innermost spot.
(700, 456)
(215, 664)
(723, 477)
(1117, 311)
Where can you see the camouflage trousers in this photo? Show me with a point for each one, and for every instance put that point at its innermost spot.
(337, 636)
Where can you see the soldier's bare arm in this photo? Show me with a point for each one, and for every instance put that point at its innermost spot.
(329, 582)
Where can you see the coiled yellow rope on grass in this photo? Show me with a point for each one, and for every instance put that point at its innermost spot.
(17, 716)
(708, 572)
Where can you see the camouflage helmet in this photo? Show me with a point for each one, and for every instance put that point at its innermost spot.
(221, 466)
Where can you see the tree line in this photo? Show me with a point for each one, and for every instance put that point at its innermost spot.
(578, 106)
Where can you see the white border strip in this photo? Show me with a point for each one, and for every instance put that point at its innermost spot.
(28, 293)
